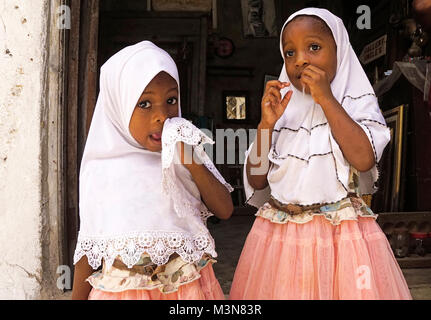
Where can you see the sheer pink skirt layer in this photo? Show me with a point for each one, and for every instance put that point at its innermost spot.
(318, 260)
(206, 287)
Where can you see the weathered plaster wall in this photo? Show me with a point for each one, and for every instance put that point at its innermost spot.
(22, 70)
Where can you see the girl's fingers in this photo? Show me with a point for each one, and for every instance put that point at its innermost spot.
(315, 69)
(285, 84)
(269, 99)
(305, 79)
(273, 99)
(275, 92)
(276, 84)
(272, 83)
(309, 73)
(286, 99)
(314, 73)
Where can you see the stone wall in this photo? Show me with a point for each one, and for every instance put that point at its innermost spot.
(23, 54)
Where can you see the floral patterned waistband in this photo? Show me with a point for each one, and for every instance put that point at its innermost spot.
(346, 209)
(148, 276)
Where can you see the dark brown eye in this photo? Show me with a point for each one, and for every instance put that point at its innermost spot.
(289, 53)
(315, 47)
(172, 100)
(144, 104)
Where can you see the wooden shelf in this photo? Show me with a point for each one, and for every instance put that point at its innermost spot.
(415, 261)
(413, 221)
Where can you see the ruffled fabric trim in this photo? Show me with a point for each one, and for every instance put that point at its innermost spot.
(180, 129)
(145, 275)
(346, 209)
(159, 245)
(177, 130)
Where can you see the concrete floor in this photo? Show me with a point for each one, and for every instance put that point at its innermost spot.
(230, 236)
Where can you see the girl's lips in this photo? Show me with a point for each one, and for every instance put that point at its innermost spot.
(156, 137)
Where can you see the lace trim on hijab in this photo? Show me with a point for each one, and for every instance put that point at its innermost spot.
(176, 130)
(159, 245)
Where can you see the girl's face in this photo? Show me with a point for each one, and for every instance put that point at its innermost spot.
(307, 41)
(158, 102)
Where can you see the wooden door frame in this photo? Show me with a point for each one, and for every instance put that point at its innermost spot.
(80, 100)
(52, 161)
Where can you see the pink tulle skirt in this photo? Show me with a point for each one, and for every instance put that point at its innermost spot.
(318, 260)
(206, 287)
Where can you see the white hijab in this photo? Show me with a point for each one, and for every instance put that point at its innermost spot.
(307, 165)
(124, 209)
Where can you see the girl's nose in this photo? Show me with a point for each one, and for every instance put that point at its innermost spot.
(301, 60)
(161, 114)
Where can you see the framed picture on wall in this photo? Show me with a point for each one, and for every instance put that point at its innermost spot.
(259, 18)
(390, 195)
(235, 105)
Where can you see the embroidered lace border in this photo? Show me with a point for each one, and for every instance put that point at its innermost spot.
(159, 246)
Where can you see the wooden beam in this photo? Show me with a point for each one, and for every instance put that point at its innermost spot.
(202, 65)
(81, 99)
(71, 131)
(415, 261)
(88, 56)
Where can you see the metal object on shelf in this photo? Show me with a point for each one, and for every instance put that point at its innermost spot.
(418, 239)
(400, 242)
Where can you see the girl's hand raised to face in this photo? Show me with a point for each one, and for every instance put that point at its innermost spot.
(213, 193)
(186, 155)
(272, 105)
(318, 82)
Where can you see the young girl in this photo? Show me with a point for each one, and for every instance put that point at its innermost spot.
(314, 237)
(154, 242)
